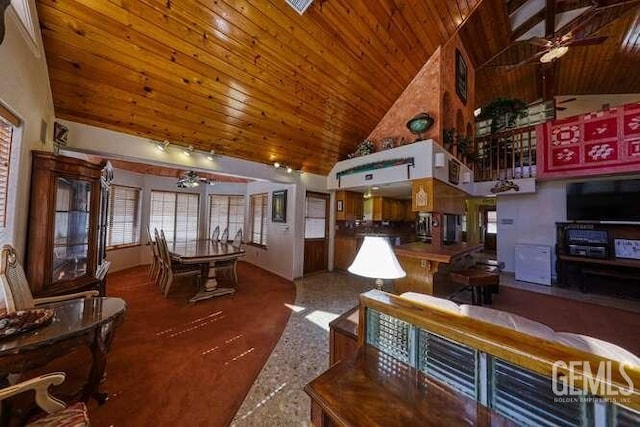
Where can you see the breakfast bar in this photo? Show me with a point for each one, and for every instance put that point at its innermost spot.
(422, 261)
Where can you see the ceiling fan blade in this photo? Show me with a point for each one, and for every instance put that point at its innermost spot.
(587, 41)
(561, 108)
(539, 41)
(564, 101)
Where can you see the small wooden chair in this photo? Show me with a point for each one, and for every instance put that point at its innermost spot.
(58, 414)
(237, 240)
(480, 282)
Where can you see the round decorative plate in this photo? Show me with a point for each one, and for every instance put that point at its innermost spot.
(24, 320)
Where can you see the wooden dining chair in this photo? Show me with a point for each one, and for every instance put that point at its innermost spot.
(14, 287)
(58, 414)
(155, 262)
(225, 236)
(216, 233)
(237, 239)
(173, 270)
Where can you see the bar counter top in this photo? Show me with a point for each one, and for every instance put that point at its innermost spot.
(443, 254)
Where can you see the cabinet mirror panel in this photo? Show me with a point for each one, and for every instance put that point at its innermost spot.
(71, 234)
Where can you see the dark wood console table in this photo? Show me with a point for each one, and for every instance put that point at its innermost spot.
(576, 263)
(343, 336)
(374, 389)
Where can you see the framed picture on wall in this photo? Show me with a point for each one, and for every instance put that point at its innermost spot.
(279, 206)
(461, 77)
(454, 172)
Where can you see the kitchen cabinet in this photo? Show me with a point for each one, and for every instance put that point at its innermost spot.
(345, 250)
(433, 195)
(67, 225)
(349, 205)
(386, 209)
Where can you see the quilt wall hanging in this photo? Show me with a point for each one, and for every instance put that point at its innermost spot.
(590, 144)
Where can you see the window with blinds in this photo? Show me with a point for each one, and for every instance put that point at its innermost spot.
(315, 218)
(176, 214)
(7, 123)
(123, 226)
(226, 212)
(259, 219)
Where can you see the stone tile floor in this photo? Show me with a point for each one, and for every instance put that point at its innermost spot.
(277, 397)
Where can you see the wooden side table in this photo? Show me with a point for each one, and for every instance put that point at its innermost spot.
(343, 336)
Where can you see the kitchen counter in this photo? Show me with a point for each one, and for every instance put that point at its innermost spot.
(444, 254)
(428, 266)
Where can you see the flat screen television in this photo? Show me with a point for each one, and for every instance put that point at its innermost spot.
(614, 200)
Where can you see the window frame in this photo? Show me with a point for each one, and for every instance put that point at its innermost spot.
(229, 198)
(263, 198)
(137, 219)
(12, 123)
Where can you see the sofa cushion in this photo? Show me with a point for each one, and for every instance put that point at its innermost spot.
(596, 346)
(441, 303)
(509, 320)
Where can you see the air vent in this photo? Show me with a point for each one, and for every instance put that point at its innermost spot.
(299, 5)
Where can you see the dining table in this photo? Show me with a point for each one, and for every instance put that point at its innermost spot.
(208, 254)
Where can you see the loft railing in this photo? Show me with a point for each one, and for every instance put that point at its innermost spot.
(510, 154)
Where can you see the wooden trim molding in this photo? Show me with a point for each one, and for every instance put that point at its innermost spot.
(4, 112)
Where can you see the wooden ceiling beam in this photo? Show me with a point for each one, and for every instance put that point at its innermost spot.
(513, 5)
(528, 24)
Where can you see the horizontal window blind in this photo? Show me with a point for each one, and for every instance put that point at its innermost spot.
(6, 136)
(315, 218)
(175, 213)
(259, 218)
(226, 212)
(124, 216)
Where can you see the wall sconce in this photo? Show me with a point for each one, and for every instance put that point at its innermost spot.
(211, 155)
(439, 160)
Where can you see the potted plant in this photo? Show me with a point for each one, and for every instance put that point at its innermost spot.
(503, 112)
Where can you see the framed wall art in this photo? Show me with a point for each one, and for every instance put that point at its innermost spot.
(461, 77)
(279, 206)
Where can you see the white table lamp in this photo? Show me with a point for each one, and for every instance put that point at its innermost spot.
(376, 260)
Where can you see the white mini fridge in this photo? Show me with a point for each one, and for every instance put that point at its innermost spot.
(533, 263)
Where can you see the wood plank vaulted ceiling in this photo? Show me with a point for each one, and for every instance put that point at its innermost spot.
(254, 80)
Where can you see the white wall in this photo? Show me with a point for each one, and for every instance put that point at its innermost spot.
(584, 104)
(534, 217)
(280, 255)
(24, 89)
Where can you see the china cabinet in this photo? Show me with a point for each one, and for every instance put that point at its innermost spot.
(67, 224)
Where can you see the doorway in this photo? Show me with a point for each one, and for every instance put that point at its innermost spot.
(490, 228)
(316, 242)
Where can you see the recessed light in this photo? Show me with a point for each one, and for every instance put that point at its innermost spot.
(276, 165)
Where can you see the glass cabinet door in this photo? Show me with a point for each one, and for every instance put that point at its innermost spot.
(71, 238)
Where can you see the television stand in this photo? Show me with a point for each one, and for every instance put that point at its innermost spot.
(600, 253)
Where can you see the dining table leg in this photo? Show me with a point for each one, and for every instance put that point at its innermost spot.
(209, 285)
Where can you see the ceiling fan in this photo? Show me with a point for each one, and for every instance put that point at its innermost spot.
(556, 47)
(191, 179)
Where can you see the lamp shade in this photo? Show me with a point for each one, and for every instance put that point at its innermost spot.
(376, 260)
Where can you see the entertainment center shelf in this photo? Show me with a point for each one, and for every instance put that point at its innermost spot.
(605, 250)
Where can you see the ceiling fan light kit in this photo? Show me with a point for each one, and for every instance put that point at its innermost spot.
(553, 54)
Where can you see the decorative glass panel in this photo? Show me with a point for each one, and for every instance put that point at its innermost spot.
(527, 398)
(71, 234)
(388, 334)
(448, 361)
